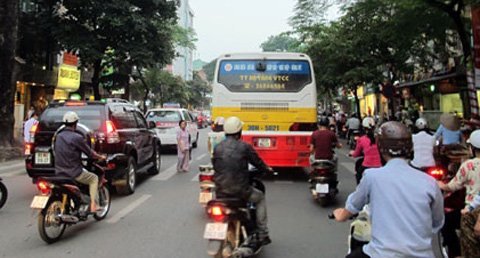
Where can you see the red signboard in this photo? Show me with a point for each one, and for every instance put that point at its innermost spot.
(70, 59)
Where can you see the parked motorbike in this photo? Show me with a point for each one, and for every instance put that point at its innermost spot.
(3, 193)
(231, 232)
(323, 181)
(207, 186)
(63, 202)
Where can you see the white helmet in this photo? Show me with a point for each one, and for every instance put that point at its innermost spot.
(368, 122)
(219, 120)
(70, 117)
(421, 123)
(475, 139)
(232, 125)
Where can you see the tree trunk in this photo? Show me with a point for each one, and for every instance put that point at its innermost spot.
(8, 41)
(357, 102)
(97, 66)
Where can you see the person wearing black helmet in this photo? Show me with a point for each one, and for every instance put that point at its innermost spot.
(323, 141)
(405, 204)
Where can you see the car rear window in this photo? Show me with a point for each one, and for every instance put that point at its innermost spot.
(90, 115)
(163, 116)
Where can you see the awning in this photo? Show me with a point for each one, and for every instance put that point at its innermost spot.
(431, 79)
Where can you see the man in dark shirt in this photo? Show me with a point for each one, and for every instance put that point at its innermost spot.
(230, 162)
(69, 146)
(323, 141)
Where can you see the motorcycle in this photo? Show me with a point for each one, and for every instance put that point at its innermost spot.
(352, 139)
(3, 193)
(207, 186)
(323, 181)
(63, 202)
(231, 232)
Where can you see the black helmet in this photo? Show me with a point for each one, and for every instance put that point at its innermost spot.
(323, 121)
(394, 139)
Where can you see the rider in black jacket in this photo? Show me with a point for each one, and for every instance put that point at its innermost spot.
(230, 162)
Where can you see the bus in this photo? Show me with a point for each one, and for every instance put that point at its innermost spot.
(275, 95)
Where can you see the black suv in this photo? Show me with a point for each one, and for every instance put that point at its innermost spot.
(114, 127)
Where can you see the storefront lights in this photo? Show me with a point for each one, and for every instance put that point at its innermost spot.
(432, 88)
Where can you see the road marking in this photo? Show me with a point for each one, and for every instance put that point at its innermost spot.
(125, 211)
(165, 175)
(283, 182)
(12, 174)
(12, 166)
(201, 156)
(349, 166)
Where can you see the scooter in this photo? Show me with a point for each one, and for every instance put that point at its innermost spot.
(231, 231)
(207, 186)
(62, 202)
(3, 193)
(352, 139)
(323, 181)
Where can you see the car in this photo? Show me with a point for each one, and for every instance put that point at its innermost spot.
(114, 127)
(166, 121)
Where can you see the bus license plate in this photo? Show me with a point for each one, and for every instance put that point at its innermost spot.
(216, 231)
(264, 143)
(42, 158)
(205, 197)
(321, 188)
(39, 201)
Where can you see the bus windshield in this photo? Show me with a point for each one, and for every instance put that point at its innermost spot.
(264, 75)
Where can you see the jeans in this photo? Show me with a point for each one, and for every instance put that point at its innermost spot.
(258, 197)
(91, 180)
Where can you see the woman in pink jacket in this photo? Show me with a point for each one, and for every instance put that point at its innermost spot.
(367, 147)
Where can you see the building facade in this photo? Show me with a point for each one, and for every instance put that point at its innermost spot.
(183, 64)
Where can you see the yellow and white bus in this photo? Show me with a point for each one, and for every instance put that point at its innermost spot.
(275, 95)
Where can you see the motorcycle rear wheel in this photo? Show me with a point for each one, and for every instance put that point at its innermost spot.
(48, 219)
(3, 194)
(104, 203)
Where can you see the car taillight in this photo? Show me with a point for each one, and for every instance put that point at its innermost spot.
(436, 173)
(44, 187)
(33, 130)
(112, 134)
(28, 148)
(203, 178)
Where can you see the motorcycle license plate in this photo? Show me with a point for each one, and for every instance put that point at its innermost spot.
(205, 197)
(321, 188)
(42, 158)
(39, 201)
(216, 231)
(264, 143)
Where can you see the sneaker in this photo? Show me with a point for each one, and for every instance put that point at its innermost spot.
(264, 240)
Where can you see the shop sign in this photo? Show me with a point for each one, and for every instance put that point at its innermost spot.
(70, 59)
(68, 78)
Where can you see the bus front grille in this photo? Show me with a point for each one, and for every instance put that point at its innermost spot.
(264, 106)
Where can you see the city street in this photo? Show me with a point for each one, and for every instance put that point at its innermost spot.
(164, 219)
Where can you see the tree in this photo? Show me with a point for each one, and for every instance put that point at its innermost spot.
(8, 41)
(198, 89)
(139, 32)
(282, 42)
(210, 69)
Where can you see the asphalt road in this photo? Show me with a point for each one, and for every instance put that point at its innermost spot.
(164, 219)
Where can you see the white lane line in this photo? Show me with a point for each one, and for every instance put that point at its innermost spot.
(12, 166)
(283, 182)
(125, 211)
(195, 178)
(350, 166)
(201, 156)
(165, 175)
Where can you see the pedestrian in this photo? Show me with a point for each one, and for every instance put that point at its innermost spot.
(406, 205)
(218, 135)
(183, 147)
(33, 120)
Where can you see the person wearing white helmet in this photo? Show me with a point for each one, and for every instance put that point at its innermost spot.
(232, 177)
(468, 177)
(423, 143)
(69, 146)
(218, 135)
(367, 147)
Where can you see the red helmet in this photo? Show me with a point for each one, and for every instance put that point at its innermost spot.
(394, 139)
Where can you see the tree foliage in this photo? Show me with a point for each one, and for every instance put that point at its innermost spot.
(283, 42)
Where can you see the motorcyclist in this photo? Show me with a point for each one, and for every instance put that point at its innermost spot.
(423, 143)
(217, 135)
(352, 124)
(323, 140)
(232, 179)
(406, 205)
(366, 145)
(69, 146)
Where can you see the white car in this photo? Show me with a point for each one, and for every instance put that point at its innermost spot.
(166, 121)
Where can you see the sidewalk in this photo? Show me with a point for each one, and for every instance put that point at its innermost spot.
(11, 154)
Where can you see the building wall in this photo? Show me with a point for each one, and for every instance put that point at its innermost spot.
(183, 65)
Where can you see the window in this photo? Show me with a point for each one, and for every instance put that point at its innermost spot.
(140, 120)
(186, 116)
(163, 116)
(90, 116)
(123, 119)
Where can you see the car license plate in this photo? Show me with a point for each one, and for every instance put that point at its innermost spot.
(205, 197)
(216, 231)
(39, 201)
(321, 188)
(42, 158)
(264, 142)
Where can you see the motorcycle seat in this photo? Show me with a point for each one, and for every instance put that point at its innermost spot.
(229, 202)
